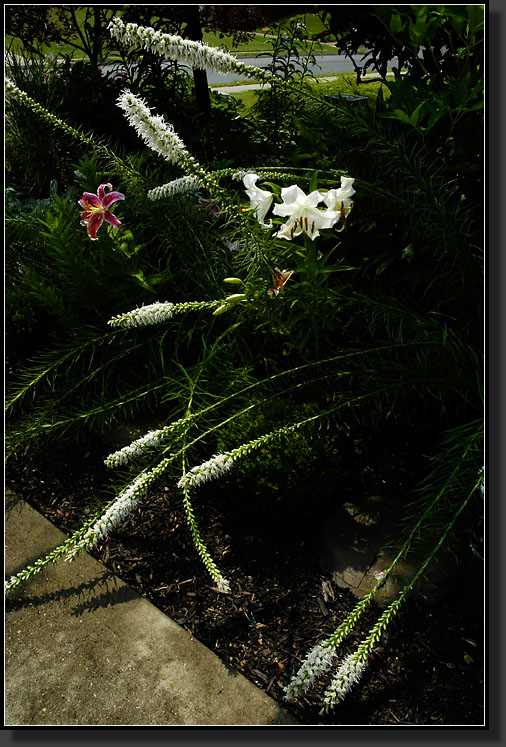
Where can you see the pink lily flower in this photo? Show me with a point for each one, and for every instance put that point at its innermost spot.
(96, 209)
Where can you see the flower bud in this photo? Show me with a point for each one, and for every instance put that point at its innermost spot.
(221, 309)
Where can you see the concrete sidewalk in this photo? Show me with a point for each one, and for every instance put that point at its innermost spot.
(238, 88)
(82, 648)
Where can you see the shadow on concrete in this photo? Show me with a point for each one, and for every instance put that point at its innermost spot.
(118, 595)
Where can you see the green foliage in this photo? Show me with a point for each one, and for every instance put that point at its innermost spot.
(74, 91)
(61, 272)
(282, 472)
(442, 93)
(291, 56)
(413, 216)
(81, 29)
(438, 86)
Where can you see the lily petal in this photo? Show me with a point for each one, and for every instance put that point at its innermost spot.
(101, 191)
(111, 198)
(90, 199)
(96, 209)
(93, 224)
(110, 218)
(260, 199)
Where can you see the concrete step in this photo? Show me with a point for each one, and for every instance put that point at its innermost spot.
(84, 649)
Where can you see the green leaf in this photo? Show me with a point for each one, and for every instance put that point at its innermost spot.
(141, 280)
(401, 115)
(434, 117)
(314, 181)
(396, 24)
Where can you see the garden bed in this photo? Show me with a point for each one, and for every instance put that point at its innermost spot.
(427, 670)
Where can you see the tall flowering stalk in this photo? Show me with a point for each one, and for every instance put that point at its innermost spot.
(117, 512)
(221, 582)
(156, 438)
(348, 674)
(192, 53)
(102, 522)
(161, 137)
(178, 186)
(121, 506)
(157, 134)
(317, 662)
(158, 312)
(13, 92)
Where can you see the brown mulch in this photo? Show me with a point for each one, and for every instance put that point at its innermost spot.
(427, 670)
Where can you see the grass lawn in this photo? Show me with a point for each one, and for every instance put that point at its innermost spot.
(260, 43)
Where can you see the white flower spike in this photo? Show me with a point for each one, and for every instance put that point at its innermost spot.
(176, 187)
(158, 134)
(347, 675)
(317, 661)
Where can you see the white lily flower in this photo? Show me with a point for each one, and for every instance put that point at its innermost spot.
(303, 214)
(260, 199)
(340, 199)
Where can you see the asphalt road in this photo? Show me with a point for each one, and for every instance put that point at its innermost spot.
(327, 64)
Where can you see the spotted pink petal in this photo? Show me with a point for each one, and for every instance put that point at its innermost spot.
(110, 218)
(89, 198)
(111, 198)
(93, 224)
(95, 209)
(101, 191)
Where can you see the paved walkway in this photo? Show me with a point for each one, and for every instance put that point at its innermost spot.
(83, 649)
(253, 86)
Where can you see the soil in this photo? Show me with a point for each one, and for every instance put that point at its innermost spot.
(427, 669)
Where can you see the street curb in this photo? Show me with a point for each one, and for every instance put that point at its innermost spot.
(84, 649)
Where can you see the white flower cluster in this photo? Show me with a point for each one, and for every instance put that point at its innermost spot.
(318, 661)
(138, 447)
(215, 467)
(154, 313)
(158, 134)
(301, 210)
(114, 515)
(177, 186)
(192, 53)
(346, 676)
(221, 583)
